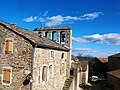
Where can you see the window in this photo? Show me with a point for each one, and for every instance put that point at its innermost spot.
(6, 75)
(47, 34)
(40, 34)
(8, 46)
(52, 54)
(44, 73)
(50, 71)
(62, 56)
(39, 76)
(62, 38)
(54, 36)
(62, 68)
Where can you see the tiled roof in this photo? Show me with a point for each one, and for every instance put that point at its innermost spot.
(33, 37)
(115, 73)
(104, 60)
(115, 55)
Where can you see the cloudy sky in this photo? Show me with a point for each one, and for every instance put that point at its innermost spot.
(95, 23)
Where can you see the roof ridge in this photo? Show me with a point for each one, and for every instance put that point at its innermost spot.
(33, 38)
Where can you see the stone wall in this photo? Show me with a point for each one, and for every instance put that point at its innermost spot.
(113, 63)
(19, 59)
(43, 58)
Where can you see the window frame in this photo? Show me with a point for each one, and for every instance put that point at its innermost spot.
(8, 52)
(62, 55)
(3, 75)
(52, 54)
(51, 73)
(46, 73)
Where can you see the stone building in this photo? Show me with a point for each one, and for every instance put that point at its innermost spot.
(78, 76)
(81, 75)
(114, 72)
(98, 68)
(34, 61)
(114, 62)
(114, 80)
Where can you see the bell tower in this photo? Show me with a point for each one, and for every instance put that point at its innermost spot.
(61, 35)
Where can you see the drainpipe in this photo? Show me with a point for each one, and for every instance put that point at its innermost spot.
(31, 79)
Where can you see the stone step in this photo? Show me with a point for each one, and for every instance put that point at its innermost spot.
(67, 83)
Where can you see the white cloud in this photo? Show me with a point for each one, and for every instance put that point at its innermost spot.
(30, 19)
(78, 40)
(92, 52)
(71, 18)
(111, 39)
(87, 51)
(55, 20)
(59, 19)
(45, 14)
(82, 49)
(41, 20)
(90, 16)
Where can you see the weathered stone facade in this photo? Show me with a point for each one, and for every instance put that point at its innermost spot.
(43, 58)
(44, 69)
(19, 60)
(61, 35)
(114, 62)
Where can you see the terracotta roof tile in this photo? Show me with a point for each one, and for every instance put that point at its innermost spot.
(102, 59)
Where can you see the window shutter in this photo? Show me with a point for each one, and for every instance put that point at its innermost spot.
(0, 75)
(8, 47)
(6, 76)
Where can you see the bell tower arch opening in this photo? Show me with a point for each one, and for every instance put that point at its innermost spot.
(63, 38)
(47, 34)
(54, 36)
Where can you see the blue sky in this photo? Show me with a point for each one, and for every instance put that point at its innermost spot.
(95, 23)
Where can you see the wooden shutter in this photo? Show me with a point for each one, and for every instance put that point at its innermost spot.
(6, 75)
(8, 47)
(0, 75)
